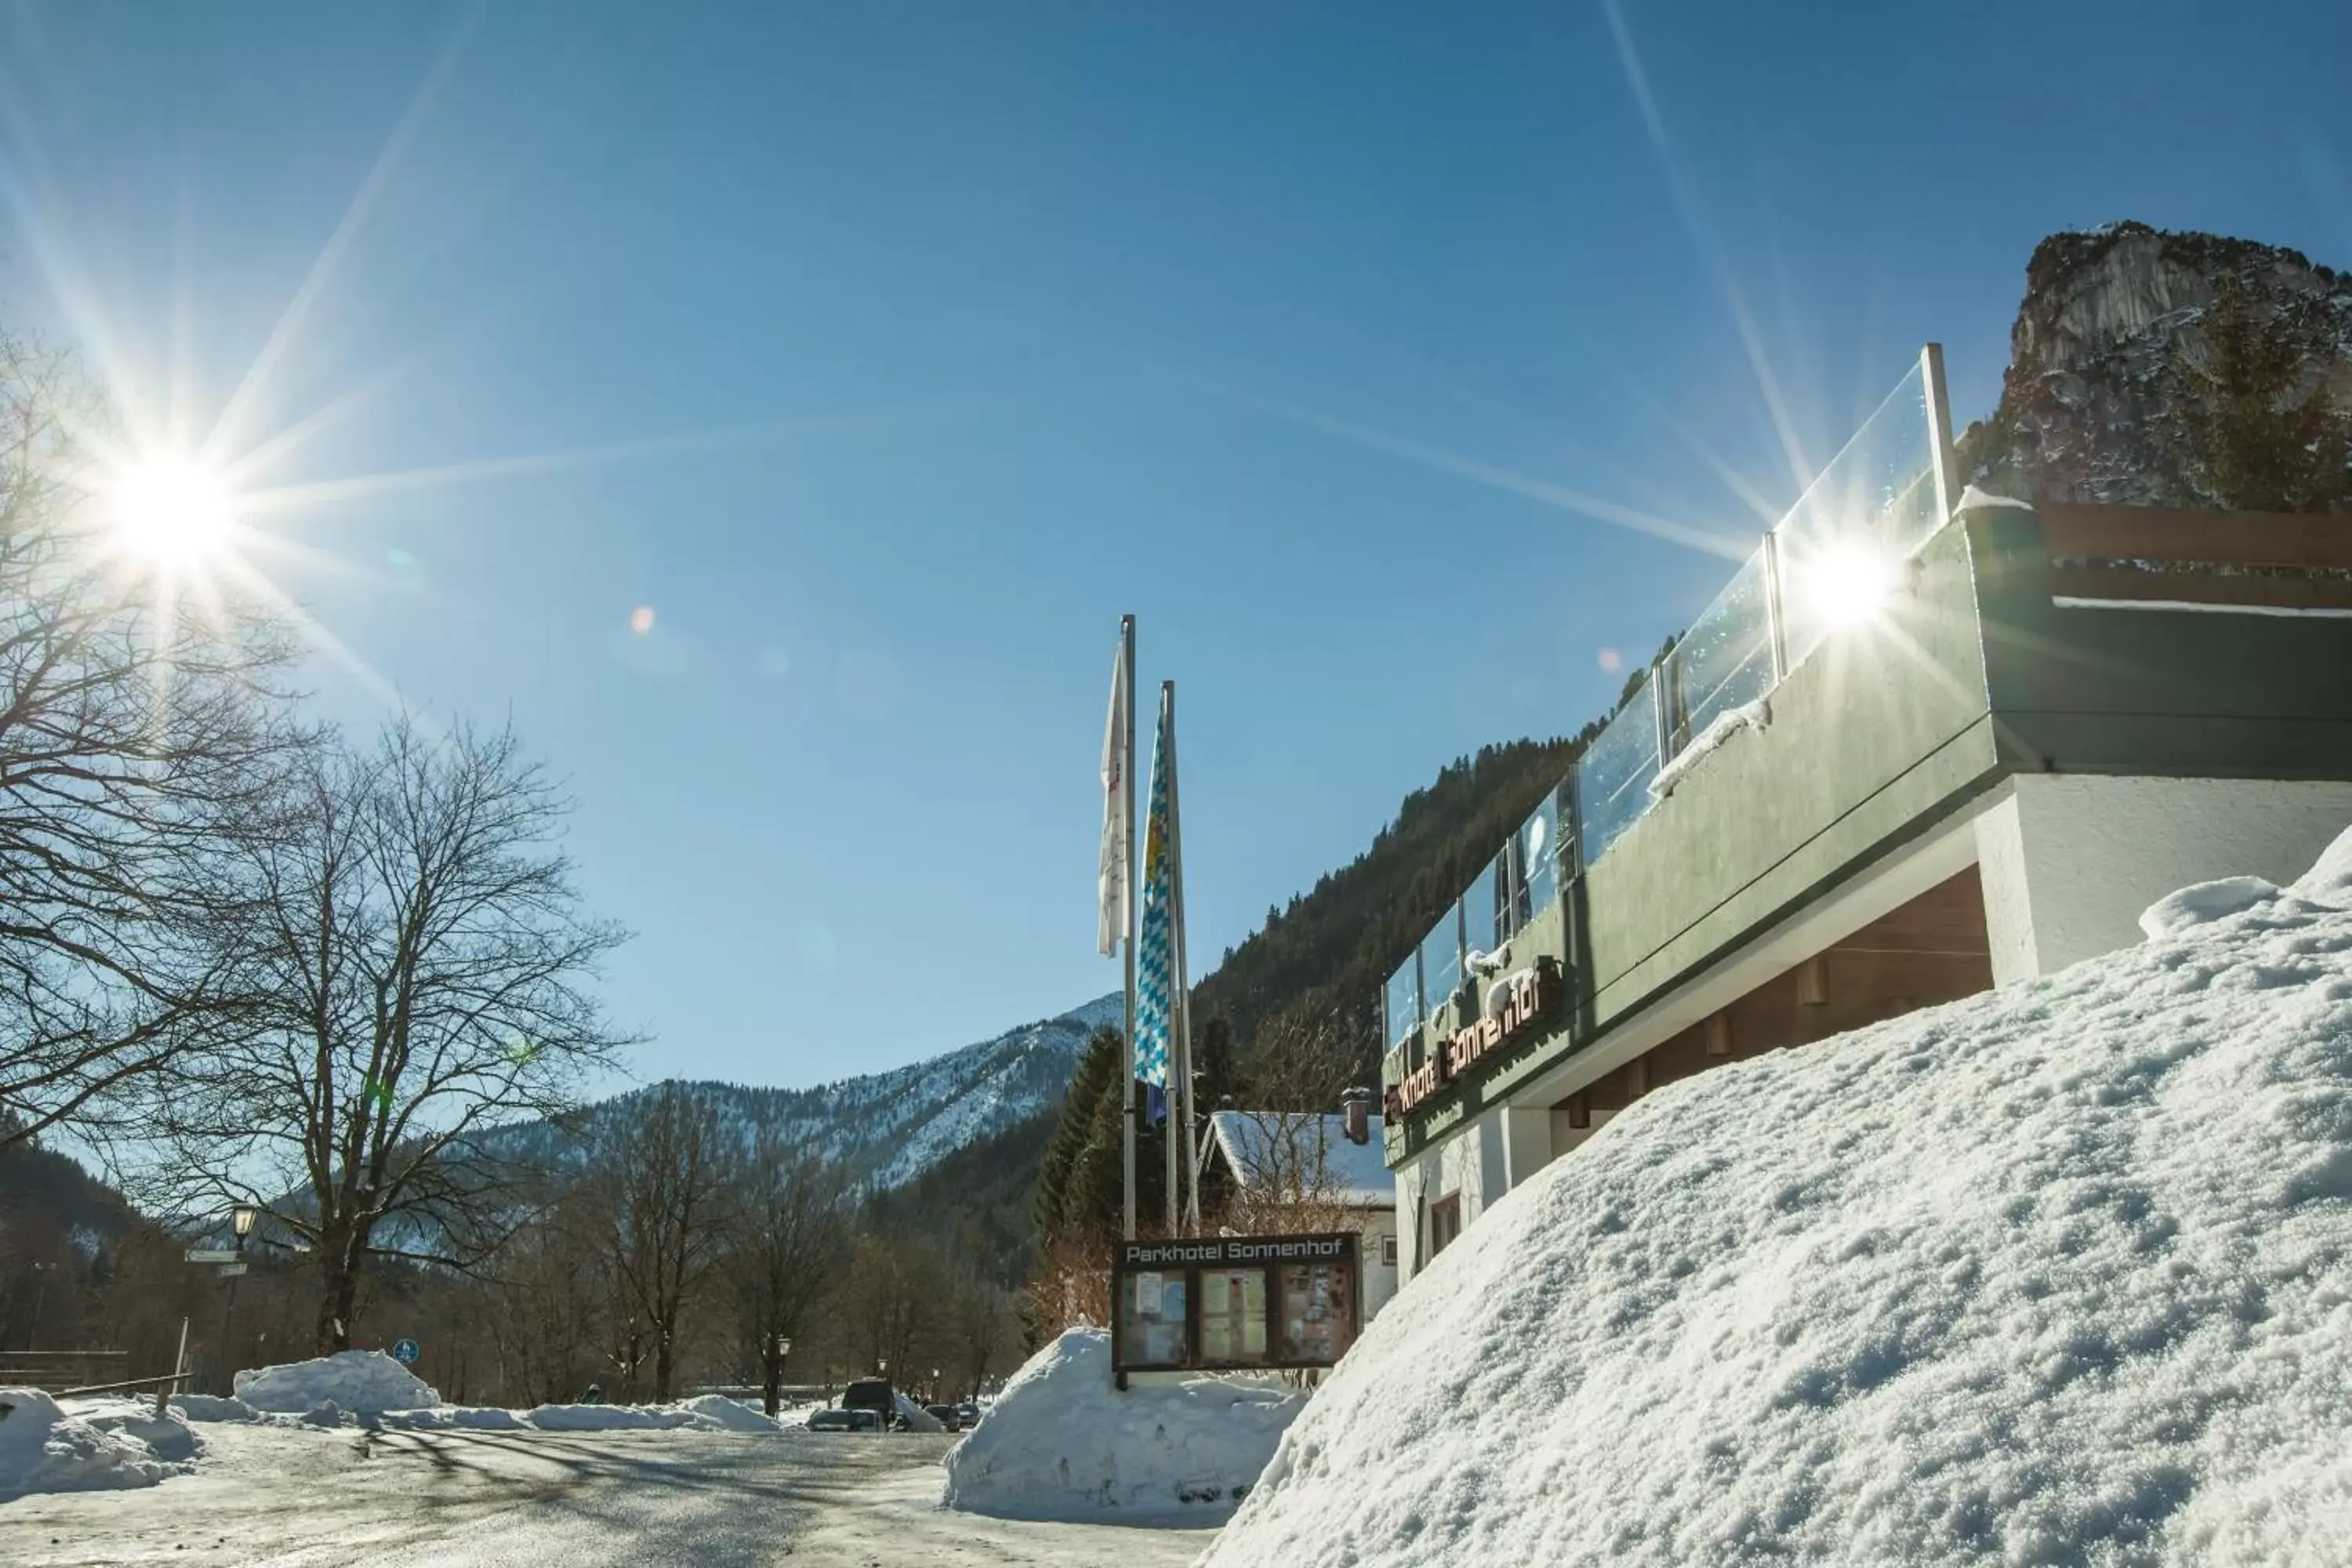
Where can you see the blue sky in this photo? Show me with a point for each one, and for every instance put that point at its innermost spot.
(887, 353)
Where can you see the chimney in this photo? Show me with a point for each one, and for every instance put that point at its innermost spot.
(1356, 1105)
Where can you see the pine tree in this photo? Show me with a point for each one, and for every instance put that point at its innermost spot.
(1098, 1071)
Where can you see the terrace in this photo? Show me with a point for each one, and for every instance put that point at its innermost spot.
(1797, 822)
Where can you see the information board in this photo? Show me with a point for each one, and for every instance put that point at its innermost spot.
(1236, 1302)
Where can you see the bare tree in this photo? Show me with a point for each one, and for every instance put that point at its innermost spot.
(1287, 1175)
(669, 1173)
(785, 1247)
(541, 1298)
(419, 954)
(1303, 1059)
(894, 1303)
(135, 741)
(983, 1328)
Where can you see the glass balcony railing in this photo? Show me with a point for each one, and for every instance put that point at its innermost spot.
(1842, 547)
(1831, 561)
(1441, 964)
(1725, 660)
(1612, 778)
(1402, 1000)
(1535, 860)
(1487, 906)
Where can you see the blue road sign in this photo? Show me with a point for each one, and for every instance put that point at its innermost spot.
(405, 1351)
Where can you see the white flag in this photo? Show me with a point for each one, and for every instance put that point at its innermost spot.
(1111, 923)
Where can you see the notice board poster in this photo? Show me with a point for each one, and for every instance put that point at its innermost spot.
(1153, 1322)
(1316, 1327)
(1234, 1301)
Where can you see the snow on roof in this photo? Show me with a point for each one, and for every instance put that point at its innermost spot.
(1262, 1147)
(2056, 1273)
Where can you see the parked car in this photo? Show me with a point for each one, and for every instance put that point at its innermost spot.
(946, 1416)
(844, 1421)
(968, 1413)
(874, 1394)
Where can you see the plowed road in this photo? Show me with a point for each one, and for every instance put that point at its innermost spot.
(407, 1499)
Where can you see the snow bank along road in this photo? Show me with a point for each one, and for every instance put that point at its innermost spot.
(402, 1499)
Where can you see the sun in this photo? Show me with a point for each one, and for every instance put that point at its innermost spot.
(171, 511)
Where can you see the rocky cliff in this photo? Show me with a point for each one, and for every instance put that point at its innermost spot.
(2111, 393)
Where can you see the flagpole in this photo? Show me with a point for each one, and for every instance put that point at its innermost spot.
(1183, 981)
(1176, 975)
(1127, 829)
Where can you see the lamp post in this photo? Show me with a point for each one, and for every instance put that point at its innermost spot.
(241, 1218)
(779, 1346)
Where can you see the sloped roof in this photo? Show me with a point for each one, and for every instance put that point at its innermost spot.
(1260, 1146)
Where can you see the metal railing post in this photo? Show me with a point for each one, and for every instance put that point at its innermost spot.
(1775, 618)
(1939, 431)
(1661, 709)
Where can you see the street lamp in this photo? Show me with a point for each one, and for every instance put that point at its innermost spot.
(240, 1220)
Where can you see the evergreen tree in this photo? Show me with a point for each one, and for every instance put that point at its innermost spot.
(1098, 1071)
(2264, 451)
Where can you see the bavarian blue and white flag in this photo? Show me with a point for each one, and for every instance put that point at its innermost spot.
(1155, 943)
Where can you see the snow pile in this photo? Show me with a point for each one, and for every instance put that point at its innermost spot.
(1061, 1443)
(45, 1449)
(167, 1436)
(367, 1383)
(1753, 715)
(2061, 1273)
(732, 1414)
(617, 1418)
(1972, 498)
(917, 1418)
(211, 1407)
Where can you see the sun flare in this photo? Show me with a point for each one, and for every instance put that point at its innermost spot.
(171, 511)
(1849, 583)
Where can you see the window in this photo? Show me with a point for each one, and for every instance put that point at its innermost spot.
(1444, 1222)
(1389, 1251)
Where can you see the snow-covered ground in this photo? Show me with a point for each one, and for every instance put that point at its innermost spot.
(287, 1494)
(1061, 1443)
(2059, 1274)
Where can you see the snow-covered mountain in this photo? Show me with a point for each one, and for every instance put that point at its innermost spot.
(883, 1129)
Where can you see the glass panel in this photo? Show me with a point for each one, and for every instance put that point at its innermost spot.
(1487, 907)
(1317, 1312)
(1151, 1319)
(1537, 851)
(1726, 658)
(1612, 779)
(1233, 1317)
(1405, 1000)
(1843, 542)
(1441, 964)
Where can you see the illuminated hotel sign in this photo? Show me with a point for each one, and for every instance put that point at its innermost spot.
(1527, 997)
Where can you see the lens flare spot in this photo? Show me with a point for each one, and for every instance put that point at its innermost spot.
(1848, 584)
(641, 619)
(1612, 660)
